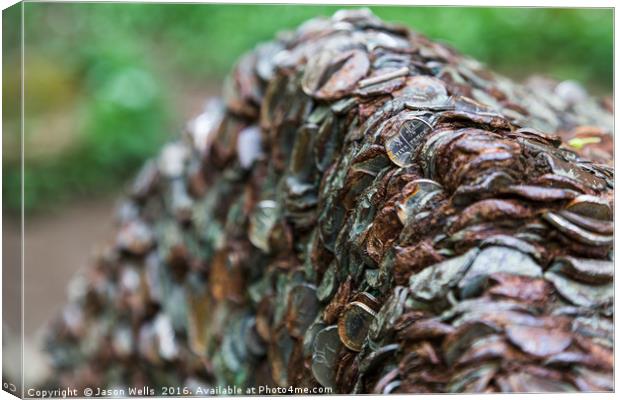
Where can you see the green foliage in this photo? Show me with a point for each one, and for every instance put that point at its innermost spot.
(115, 69)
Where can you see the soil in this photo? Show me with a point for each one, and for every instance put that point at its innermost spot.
(57, 245)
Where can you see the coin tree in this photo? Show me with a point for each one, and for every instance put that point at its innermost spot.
(363, 211)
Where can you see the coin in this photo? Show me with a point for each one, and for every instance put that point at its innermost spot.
(354, 324)
(591, 207)
(401, 146)
(327, 348)
(302, 309)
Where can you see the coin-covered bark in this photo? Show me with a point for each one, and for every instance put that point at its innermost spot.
(364, 210)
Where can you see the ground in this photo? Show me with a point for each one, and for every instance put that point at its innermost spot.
(57, 245)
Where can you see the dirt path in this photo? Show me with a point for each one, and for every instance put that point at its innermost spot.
(56, 246)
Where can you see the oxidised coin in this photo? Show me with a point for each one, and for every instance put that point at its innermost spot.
(424, 92)
(262, 222)
(577, 233)
(354, 324)
(367, 299)
(413, 202)
(591, 207)
(327, 348)
(135, 237)
(302, 309)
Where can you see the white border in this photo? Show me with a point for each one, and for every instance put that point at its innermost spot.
(463, 3)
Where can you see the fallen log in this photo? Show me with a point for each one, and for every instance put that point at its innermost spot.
(364, 211)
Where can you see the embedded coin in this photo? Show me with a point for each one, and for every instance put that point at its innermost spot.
(368, 299)
(412, 203)
(302, 309)
(327, 347)
(310, 337)
(262, 222)
(591, 207)
(400, 147)
(354, 324)
(425, 92)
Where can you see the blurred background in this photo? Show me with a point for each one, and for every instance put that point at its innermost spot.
(107, 84)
